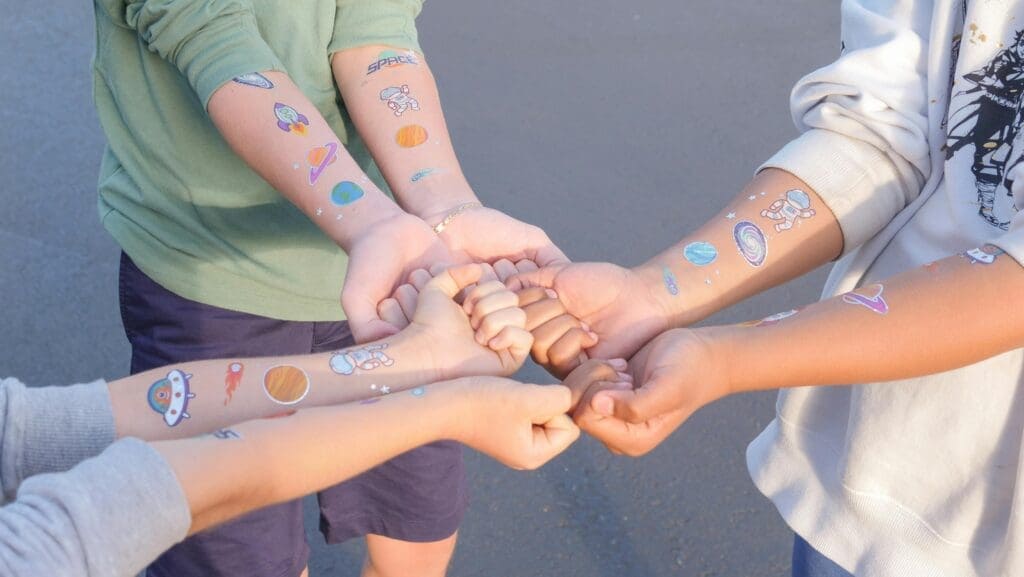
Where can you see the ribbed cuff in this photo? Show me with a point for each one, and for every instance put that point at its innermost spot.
(381, 22)
(54, 427)
(857, 182)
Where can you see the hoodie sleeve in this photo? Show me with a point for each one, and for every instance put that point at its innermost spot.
(377, 22)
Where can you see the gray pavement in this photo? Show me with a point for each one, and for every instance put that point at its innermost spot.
(617, 126)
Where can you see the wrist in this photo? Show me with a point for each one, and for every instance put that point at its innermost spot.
(459, 415)
(729, 368)
(375, 211)
(682, 298)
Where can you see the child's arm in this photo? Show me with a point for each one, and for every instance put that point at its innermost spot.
(931, 319)
(190, 398)
(260, 463)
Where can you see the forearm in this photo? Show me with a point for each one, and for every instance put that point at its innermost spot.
(274, 128)
(217, 393)
(260, 463)
(931, 319)
(766, 236)
(390, 96)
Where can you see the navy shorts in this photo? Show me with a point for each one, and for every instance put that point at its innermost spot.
(419, 496)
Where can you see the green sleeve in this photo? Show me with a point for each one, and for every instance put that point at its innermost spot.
(209, 41)
(369, 22)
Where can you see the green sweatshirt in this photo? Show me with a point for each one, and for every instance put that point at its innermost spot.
(180, 203)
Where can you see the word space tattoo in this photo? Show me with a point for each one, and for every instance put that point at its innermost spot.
(290, 120)
(984, 255)
(391, 59)
(170, 396)
(700, 253)
(319, 159)
(870, 297)
(411, 135)
(226, 434)
(346, 192)
(751, 242)
(398, 99)
(365, 358)
(232, 379)
(254, 79)
(670, 281)
(797, 204)
(286, 384)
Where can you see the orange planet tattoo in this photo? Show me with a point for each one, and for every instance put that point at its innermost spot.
(286, 384)
(411, 135)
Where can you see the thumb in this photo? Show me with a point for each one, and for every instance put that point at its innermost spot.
(552, 437)
(547, 400)
(452, 280)
(542, 277)
(361, 310)
(654, 398)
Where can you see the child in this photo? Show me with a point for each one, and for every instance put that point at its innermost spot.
(243, 199)
(909, 168)
(114, 513)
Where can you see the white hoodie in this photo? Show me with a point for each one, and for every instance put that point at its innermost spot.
(914, 138)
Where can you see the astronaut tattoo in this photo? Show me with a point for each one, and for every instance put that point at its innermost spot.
(797, 204)
(365, 358)
(398, 99)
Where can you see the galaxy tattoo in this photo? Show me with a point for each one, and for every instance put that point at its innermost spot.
(751, 242)
(254, 79)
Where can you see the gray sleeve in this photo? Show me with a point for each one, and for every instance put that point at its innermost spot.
(109, 516)
(50, 429)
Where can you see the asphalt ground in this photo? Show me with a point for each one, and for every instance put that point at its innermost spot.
(616, 126)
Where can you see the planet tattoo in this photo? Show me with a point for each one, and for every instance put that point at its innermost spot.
(411, 135)
(319, 159)
(169, 397)
(751, 242)
(346, 192)
(290, 120)
(670, 281)
(254, 79)
(700, 253)
(869, 297)
(285, 384)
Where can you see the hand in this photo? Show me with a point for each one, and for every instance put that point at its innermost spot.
(522, 426)
(488, 235)
(677, 372)
(379, 261)
(618, 308)
(484, 336)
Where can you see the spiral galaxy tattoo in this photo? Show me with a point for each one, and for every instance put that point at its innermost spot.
(751, 242)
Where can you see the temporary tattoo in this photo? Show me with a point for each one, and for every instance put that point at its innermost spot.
(670, 281)
(319, 159)
(752, 197)
(984, 255)
(338, 217)
(225, 434)
(411, 135)
(169, 396)
(869, 296)
(700, 253)
(254, 79)
(365, 358)
(751, 242)
(389, 59)
(797, 204)
(731, 215)
(418, 391)
(319, 211)
(420, 175)
(398, 99)
(346, 192)
(771, 319)
(280, 415)
(286, 384)
(370, 401)
(232, 379)
(931, 266)
(289, 119)
(385, 390)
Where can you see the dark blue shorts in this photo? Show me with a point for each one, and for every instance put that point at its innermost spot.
(808, 562)
(419, 496)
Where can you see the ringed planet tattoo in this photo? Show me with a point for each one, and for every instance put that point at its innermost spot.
(869, 297)
(319, 159)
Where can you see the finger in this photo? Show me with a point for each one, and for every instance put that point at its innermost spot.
(480, 291)
(359, 301)
(650, 400)
(513, 346)
(407, 297)
(504, 269)
(489, 274)
(553, 437)
(526, 265)
(547, 400)
(494, 323)
(543, 277)
(580, 380)
(550, 255)
(548, 334)
(492, 303)
(437, 268)
(564, 355)
(391, 312)
(542, 311)
(419, 278)
(535, 294)
(454, 279)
